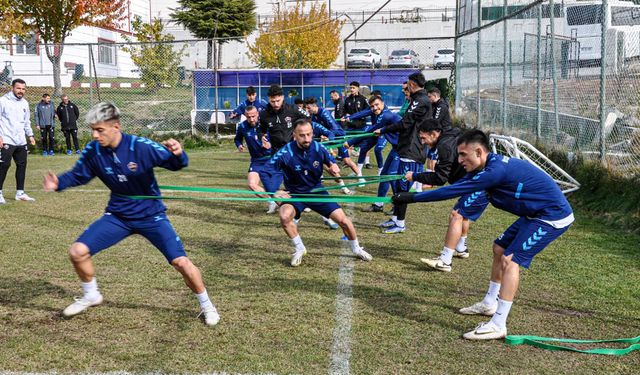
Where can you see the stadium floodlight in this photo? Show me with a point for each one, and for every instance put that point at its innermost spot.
(519, 149)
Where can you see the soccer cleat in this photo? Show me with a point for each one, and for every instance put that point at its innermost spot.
(361, 182)
(368, 166)
(479, 309)
(24, 197)
(387, 224)
(273, 207)
(2, 201)
(69, 152)
(461, 254)
(346, 191)
(51, 153)
(306, 209)
(373, 208)
(211, 316)
(486, 331)
(394, 230)
(45, 153)
(80, 305)
(78, 152)
(437, 264)
(331, 224)
(363, 254)
(390, 212)
(296, 259)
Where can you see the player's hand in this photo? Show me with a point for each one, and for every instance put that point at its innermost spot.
(265, 142)
(174, 146)
(334, 170)
(377, 132)
(50, 182)
(37, 128)
(323, 138)
(403, 198)
(233, 115)
(344, 119)
(32, 141)
(346, 145)
(409, 176)
(241, 148)
(282, 194)
(1, 142)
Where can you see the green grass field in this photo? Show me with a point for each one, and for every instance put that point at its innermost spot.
(277, 319)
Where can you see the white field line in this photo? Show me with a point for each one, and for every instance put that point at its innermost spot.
(341, 345)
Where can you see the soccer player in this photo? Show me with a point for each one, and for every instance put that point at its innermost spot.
(251, 100)
(410, 149)
(248, 132)
(302, 162)
(520, 188)
(124, 163)
(468, 208)
(381, 117)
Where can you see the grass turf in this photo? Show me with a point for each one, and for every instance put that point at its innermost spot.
(277, 319)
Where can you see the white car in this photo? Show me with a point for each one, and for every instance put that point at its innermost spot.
(404, 58)
(444, 58)
(364, 58)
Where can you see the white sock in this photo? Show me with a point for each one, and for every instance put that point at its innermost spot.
(324, 219)
(379, 204)
(204, 300)
(367, 160)
(19, 192)
(418, 186)
(379, 171)
(355, 246)
(492, 294)
(446, 255)
(91, 289)
(360, 169)
(297, 243)
(400, 223)
(395, 219)
(341, 183)
(461, 247)
(500, 317)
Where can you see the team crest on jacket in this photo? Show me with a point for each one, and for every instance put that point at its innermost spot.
(316, 164)
(132, 166)
(288, 120)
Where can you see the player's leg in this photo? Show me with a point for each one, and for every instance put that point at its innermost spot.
(288, 213)
(159, 231)
(20, 158)
(338, 215)
(101, 234)
(271, 180)
(380, 145)
(397, 224)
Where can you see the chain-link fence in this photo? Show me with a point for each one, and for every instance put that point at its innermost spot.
(563, 74)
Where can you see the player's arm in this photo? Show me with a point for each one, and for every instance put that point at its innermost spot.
(239, 138)
(169, 155)
(324, 131)
(358, 115)
(330, 120)
(442, 171)
(80, 174)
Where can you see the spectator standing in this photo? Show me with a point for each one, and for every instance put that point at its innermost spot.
(15, 127)
(45, 115)
(68, 114)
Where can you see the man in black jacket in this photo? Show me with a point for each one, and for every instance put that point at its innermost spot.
(410, 149)
(355, 102)
(468, 208)
(338, 105)
(68, 114)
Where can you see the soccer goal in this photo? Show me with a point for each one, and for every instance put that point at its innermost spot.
(519, 149)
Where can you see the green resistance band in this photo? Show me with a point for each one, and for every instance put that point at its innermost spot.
(224, 191)
(539, 342)
(341, 139)
(366, 177)
(356, 184)
(299, 198)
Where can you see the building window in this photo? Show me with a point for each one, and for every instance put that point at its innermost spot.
(26, 45)
(106, 52)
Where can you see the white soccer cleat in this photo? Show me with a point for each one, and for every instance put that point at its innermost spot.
(387, 224)
(486, 331)
(273, 207)
(80, 305)
(2, 201)
(346, 191)
(479, 309)
(296, 259)
(362, 254)
(306, 209)
(362, 182)
(461, 254)
(437, 264)
(211, 316)
(331, 224)
(24, 197)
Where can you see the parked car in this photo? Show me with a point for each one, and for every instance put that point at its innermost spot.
(444, 58)
(364, 58)
(404, 58)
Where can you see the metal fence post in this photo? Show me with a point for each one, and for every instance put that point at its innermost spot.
(553, 68)
(504, 66)
(603, 80)
(478, 51)
(90, 54)
(538, 74)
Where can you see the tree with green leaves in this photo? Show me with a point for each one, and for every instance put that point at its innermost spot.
(53, 21)
(208, 19)
(155, 56)
(298, 39)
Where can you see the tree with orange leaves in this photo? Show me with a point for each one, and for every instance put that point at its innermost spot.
(53, 21)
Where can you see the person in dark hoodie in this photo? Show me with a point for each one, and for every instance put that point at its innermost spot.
(68, 114)
(410, 149)
(44, 116)
(468, 208)
(355, 102)
(338, 105)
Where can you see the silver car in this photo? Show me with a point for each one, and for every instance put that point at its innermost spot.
(444, 58)
(404, 58)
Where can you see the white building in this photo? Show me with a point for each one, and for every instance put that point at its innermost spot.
(29, 61)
